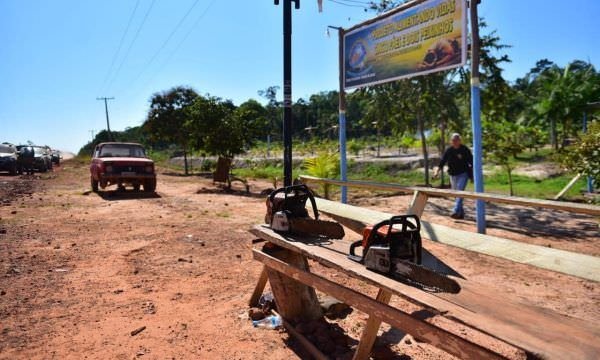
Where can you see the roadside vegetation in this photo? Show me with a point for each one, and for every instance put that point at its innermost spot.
(535, 120)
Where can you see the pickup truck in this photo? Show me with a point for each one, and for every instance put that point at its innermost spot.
(122, 164)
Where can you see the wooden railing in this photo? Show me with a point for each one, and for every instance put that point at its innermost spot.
(487, 197)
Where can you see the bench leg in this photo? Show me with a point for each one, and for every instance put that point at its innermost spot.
(371, 328)
(295, 300)
(260, 287)
(417, 204)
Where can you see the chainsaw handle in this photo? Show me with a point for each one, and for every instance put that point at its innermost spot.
(394, 220)
(300, 187)
(313, 202)
(353, 255)
(403, 219)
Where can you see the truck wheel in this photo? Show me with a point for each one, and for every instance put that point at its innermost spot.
(13, 170)
(150, 186)
(94, 185)
(136, 187)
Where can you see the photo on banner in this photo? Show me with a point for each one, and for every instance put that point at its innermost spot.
(422, 39)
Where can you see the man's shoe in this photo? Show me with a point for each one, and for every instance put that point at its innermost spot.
(457, 216)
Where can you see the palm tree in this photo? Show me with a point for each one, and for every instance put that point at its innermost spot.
(562, 95)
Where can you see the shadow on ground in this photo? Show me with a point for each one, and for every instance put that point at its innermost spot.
(531, 221)
(238, 192)
(113, 195)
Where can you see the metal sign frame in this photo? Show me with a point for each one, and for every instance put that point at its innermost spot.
(411, 6)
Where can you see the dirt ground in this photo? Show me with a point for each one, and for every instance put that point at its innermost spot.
(80, 271)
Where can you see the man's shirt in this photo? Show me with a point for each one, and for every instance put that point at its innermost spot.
(459, 160)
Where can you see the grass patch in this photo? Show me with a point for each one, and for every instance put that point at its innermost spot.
(264, 172)
(540, 155)
(380, 173)
(530, 187)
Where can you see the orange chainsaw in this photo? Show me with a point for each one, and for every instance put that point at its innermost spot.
(393, 247)
(287, 213)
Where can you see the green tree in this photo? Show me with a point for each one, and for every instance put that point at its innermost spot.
(503, 142)
(254, 121)
(167, 118)
(274, 113)
(584, 156)
(559, 96)
(219, 128)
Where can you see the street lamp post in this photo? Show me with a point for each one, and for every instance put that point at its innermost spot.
(287, 89)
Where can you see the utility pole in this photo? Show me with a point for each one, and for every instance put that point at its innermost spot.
(107, 120)
(92, 133)
(287, 89)
(342, 114)
(476, 116)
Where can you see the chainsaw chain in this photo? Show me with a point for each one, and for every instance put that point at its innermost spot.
(450, 287)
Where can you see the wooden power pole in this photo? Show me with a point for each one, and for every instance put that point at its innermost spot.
(107, 120)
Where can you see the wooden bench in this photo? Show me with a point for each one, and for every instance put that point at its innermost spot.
(536, 331)
(424, 192)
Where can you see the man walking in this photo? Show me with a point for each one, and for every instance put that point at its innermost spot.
(460, 167)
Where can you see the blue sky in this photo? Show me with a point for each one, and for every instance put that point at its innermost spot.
(56, 55)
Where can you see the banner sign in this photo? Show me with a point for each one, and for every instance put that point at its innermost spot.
(425, 38)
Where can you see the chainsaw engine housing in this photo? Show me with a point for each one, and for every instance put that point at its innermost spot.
(399, 237)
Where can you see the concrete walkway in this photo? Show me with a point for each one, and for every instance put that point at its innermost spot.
(566, 262)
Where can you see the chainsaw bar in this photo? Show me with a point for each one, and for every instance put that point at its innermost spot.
(420, 276)
(307, 226)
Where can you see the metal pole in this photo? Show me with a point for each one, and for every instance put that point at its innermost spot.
(476, 116)
(590, 182)
(342, 119)
(287, 89)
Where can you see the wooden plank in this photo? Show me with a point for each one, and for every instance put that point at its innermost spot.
(421, 330)
(566, 262)
(488, 197)
(417, 205)
(259, 288)
(533, 329)
(294, 299)
(369, 334)
(566, 188)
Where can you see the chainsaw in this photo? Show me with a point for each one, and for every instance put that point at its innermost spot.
(393, 247)
(287, 213)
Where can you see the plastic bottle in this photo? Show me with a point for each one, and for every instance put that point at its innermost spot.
(270, 322)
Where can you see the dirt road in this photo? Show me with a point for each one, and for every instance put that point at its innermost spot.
(79, 272)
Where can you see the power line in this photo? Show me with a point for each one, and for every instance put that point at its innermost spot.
(114, 59)
(357, 2)
(340, 2)
(164, 44)
(187, 35)
(137, 33)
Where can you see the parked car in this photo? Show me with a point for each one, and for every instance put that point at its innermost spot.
(25, 158)
(122, 164)
(8, 159)
(42, 160)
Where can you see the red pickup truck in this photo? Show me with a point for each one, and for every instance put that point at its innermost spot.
(122, 164)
